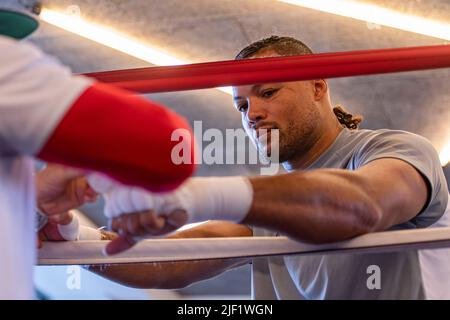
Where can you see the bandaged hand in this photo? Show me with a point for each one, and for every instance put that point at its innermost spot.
(137, 212)
(66, 227)
(214, 198)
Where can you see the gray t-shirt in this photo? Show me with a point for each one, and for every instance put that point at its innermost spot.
(344, 276)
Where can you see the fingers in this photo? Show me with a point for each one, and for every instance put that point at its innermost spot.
(139, 224)
(72, 173)
(90, 194)
(173, 221)
(51, 233)
(52, 181)
(83, 191)
(76, 193)
(64, 173)
(177, 218)
(121, 243)
(62, 218)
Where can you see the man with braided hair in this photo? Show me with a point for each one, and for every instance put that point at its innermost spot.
(341, 182)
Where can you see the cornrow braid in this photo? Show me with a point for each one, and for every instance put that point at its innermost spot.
(346, 118)
(284, 46)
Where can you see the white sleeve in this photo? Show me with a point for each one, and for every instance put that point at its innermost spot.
(36, 91)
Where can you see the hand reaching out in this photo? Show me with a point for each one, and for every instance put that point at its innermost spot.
(132, 227)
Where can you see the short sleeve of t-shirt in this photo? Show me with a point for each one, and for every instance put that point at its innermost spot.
(35, 92)
(418, 152)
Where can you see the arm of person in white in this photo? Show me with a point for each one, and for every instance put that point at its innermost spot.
(36, 92)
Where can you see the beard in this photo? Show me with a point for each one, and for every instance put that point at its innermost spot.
(293, 141)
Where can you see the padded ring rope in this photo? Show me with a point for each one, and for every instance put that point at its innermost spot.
(278, 69)
(160, 250)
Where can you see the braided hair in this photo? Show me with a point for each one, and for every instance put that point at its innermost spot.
(346, 118)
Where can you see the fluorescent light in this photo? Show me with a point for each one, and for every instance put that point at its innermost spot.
(378, 15)
(444, 156)
(113, 39)
(108, 37)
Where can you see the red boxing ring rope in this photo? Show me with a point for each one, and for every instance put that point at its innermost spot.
(278, 69)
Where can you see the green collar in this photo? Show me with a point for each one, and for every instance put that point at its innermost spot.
(15, 24)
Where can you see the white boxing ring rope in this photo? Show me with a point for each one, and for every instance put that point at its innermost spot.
(165, 250)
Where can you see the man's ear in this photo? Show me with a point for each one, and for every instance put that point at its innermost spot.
(320, 89)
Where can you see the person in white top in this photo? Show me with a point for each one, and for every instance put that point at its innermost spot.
(47, 113)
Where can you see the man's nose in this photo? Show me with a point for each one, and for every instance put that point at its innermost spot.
(256, 111)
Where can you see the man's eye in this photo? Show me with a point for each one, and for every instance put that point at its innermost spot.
(268, 93)
(242, 107)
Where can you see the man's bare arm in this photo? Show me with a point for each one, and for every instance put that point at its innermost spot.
(172, 275)
(328, 205)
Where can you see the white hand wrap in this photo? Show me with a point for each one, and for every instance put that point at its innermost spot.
(70, 231)
(101, 183)
(218, 198)
(88, 233)
(74, 231)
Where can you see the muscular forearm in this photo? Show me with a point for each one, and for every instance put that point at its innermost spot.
(165, 275)
(316, 206)
(323, 205)
(171, 275)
